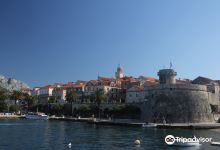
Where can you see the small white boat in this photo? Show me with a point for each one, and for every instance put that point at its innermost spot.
(186, 144)
(215, 143)
(149, 125)
(36, 116)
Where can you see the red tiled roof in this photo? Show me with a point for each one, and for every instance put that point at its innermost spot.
(69, 84)
(78, 85)
(149, 83)
(48, 86)
(186, 81)
(81, 82)
(105, 78)
(93, 81)
(126, 78)
(152, 79)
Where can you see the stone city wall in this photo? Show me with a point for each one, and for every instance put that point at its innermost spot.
(177, 104)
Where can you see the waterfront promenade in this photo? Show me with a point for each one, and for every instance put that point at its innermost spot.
(137, 123)
(10, 116)
(125, 122)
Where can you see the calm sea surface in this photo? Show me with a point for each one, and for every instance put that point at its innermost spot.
(55, 135)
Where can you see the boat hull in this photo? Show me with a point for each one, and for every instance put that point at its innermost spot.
(215, 143)
(37, 117)
(149, 125)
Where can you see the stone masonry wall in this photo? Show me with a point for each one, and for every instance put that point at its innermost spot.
(177, 104)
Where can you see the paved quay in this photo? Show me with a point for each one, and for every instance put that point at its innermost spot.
(70, 119)
(190, 126)
(116, 122)
(10, 116)
(136, 123)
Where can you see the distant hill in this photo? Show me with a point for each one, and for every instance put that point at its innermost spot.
(12, 84)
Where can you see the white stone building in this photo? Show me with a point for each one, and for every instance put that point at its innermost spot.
(45, 93)
(135, 94)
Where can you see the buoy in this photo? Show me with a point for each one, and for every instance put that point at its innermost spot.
(137, 142)
(69, 145)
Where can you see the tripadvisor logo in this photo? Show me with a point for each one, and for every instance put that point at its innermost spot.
(170, 140)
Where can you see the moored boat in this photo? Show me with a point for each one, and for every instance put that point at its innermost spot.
(149, 125)
(36, 116)
(215, 143)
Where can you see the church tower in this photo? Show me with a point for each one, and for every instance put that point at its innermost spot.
(119, 73)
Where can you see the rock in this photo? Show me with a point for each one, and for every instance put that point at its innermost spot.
(12, 84)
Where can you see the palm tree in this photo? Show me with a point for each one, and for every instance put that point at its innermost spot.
(100, 96)
(71, 97)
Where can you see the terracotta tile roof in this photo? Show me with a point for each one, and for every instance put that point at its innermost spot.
(105, 78)
(93, 81)
(69, 84)
(126, 78)
(185, 81)
(81, 82)
(78, 85)
(139, 88)
(149, 83)
(48, 86)
(152, 79)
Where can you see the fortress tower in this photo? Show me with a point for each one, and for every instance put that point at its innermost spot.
(119, 72)
(167, 76)
(178, 103)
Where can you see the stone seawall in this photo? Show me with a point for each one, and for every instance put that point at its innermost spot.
(177, 104)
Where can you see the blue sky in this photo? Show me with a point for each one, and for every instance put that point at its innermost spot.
(47, 41)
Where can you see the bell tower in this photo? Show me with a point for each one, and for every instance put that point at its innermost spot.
(119, 72)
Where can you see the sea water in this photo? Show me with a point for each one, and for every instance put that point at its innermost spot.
(24, 134)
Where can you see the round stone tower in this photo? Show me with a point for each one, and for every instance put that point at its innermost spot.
(167, 76)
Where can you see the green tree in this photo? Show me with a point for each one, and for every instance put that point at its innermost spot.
(100, 97)
(3, 94)
(14, 108)
(31, 101)
(92, 98)
(71, 97)
(16, 95)
(57, 109)
(3, 97)
(3, 106)
(52, 100)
